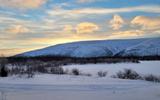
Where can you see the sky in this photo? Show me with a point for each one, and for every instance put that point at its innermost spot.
(32, 24)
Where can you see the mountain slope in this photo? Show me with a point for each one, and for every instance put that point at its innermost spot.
(126, 47)
(147, 48)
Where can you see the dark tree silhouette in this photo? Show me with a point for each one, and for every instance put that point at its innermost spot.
(3, 69)
(3, 72)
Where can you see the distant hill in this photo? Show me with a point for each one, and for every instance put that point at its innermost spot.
(101, 48)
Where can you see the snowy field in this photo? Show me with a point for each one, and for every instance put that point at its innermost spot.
(69, 87)
(144, 67)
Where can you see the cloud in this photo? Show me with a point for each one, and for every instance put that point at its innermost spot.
(150, 9)
(17, 29)
(146, 22)
(117, 22)
(84, 27)
(126, 34)
(85, 1)
(76, 13)
(68, 28)
(22, 4)
(89, 1)
(82, 11)
(87, 27)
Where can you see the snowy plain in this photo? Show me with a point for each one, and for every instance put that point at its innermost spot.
(69, 87)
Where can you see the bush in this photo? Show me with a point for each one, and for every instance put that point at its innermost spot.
(130, 74)
(29, 72)
(127, 74)
(3, 69)
(75, 72)
(3, 72)
(102, 74)
(152, 78)
(41, 69)
(57, 70)
(87, 74)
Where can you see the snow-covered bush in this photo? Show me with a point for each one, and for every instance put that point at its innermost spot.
(130, 74)
(102, 73)
(127, 74)
(30, 72)
(57, 70)
(152, 78)
(87, 74)
(75, 71)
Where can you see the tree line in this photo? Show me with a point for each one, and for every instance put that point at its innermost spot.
(52, 64)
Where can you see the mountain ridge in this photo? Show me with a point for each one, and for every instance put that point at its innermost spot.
(100, 48)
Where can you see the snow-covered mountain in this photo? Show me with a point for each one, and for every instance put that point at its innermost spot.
(126, 47)
(149, 47)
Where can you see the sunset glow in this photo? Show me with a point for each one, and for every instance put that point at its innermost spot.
(32, 24)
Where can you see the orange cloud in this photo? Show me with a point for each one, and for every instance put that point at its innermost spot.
(117, 22)
(87, 27)
(17, 29)
(146, 22)
(22, 3)
(68, 28)
(126, 34)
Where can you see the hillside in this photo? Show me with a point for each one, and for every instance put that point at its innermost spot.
(125, 47)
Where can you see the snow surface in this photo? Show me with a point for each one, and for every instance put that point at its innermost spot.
(144, 67)
(69, 87)
(137, 47)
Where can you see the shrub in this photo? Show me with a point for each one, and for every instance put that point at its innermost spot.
(3, 72)
(102, 74)
(57, 70)
(87, 74)
(75, 72)
(127, 74)
(152, 78)
(3, 69)
(29, 72)
(41, 69)
(130, 74)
